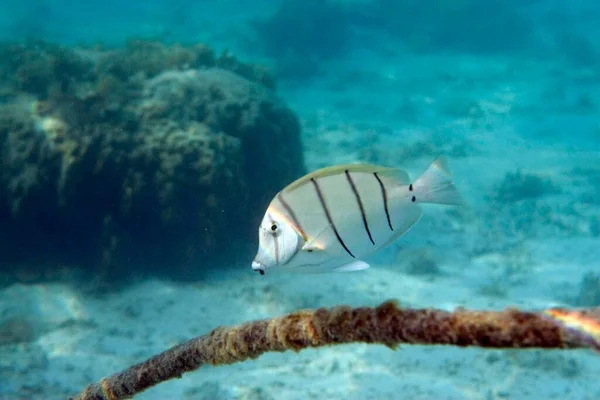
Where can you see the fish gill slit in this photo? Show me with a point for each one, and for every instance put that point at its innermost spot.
(385, 200)
(276, 243)
(360, 205)
(328, 216)
(292, 215)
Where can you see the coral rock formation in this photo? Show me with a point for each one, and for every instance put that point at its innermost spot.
(142, 158)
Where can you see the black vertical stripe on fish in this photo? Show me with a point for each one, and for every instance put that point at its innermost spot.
(328, 216)
(385, 200)
(292, 215)
(360, 205)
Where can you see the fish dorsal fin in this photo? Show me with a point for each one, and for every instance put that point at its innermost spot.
(396, 174)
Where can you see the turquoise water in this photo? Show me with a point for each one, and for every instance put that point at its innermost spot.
(137, 165)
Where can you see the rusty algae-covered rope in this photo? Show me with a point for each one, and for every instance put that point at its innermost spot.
(386, 324)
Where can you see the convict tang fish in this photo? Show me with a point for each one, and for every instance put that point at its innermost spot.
(332, 218)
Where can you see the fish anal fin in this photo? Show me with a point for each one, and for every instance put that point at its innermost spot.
(411, 220)
(352, 266)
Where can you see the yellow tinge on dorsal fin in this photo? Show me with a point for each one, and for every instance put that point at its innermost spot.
(398, 175)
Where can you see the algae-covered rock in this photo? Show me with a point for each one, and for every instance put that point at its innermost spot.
(147, 159)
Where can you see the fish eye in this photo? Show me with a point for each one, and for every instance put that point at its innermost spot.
(273, 227)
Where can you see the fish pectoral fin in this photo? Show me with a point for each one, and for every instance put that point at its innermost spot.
(311, 247)
(314, 244)
(352, 266)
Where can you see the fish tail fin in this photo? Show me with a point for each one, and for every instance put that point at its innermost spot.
(435, 185)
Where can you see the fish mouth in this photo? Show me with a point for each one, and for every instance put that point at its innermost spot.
(258, 267)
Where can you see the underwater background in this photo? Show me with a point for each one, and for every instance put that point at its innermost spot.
(141, 142)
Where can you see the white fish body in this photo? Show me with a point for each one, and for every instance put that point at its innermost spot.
(332, 218)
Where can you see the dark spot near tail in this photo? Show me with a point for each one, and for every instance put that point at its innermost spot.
(414, 199)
